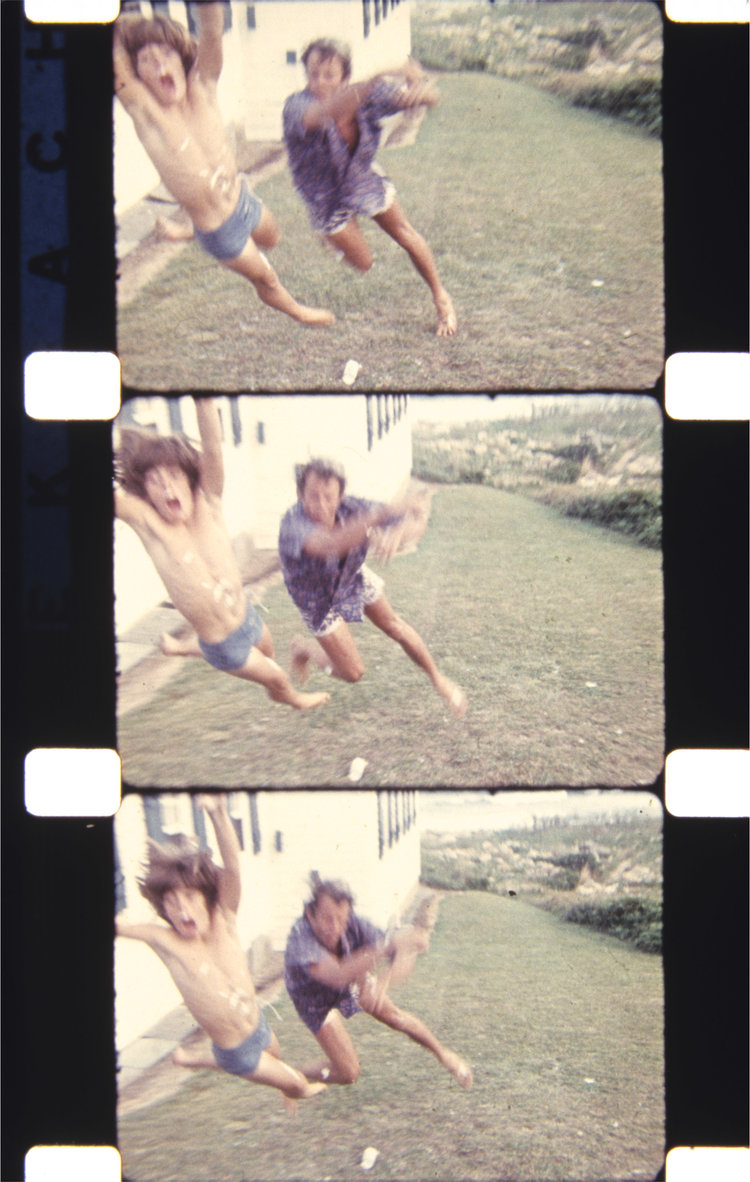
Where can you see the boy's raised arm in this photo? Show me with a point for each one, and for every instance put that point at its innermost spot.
(210, 53)
(128, 87)
(215, 805)
(212, 463)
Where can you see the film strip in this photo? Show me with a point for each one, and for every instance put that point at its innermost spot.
(62, 696)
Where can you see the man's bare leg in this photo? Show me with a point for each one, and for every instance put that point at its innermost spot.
(390, 1015)
(351, 243)
(255, 267)
(394, 222)
(336, 654)
(383, 616)
(340, 1064)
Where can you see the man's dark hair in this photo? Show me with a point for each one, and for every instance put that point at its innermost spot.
(336, 890)
(324, 469)
(329, 48)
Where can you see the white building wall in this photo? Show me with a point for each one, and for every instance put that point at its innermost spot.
(257, 78)
(331, 832)
(260, 483)
(337, 835)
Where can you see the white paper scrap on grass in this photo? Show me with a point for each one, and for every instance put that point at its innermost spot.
(71, 12)
(707, 386)
(707, 783)
(72, 1163)
(66, 385)
(72, 782)
(707, 1164)
(708, 11)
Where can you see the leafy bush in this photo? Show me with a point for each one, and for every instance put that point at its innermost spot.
(637, 100)
(636, 920)
(635, 512)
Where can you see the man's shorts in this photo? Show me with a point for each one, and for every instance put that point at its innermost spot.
(231, 654)
(339, 220)
(244, 1059)
(372, 589)
(230, 239)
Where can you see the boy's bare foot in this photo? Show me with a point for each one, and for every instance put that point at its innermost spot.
(459, 1068)
(177, 229)
(314, 317)
(174, 646)
(312, 1089)
(454, 696)
(200, 1057)
(310, 701)
(447, 322)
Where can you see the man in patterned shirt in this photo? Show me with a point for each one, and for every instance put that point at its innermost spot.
(329, 971)
(332, 132)
(323, 543)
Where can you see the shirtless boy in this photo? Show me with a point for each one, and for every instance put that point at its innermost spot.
(202, 950)
(329, 970)
(170, 495)
(332, 132)
(167, 84)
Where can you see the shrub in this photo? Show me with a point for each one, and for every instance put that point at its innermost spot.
(635, 512)
(636, 920)
(636, 100)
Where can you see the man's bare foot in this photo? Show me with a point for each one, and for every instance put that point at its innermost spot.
(447, 322)
(175, 646)
(313, 1089)
(459, 1068)
(300, 660)
(454, 696)
(177, 229)
(310, 701)
(314, 317)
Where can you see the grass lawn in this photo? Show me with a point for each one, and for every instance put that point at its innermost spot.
(562, 1026)
(546, 223)
(552, 626)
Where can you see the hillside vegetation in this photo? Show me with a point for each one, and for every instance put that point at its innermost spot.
(597, 459)
(599, 874)
(604, 56)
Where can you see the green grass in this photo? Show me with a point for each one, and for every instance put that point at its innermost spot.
(562, 1027)
(525, 202)
(552, 626)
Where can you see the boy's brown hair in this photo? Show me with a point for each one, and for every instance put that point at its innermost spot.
(139, 451)
(180, 863)
(135, 32)
(328, 48)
